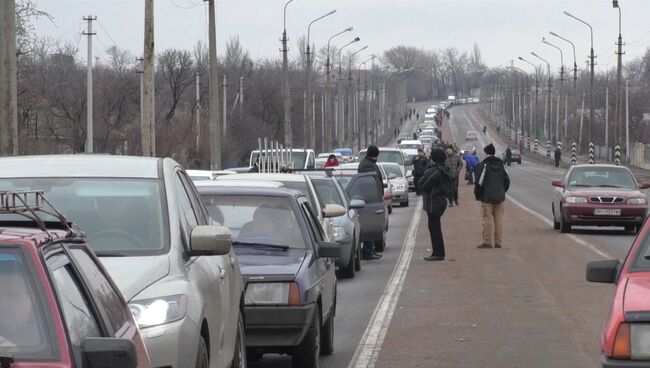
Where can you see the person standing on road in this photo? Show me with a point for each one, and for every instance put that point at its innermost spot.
(455, 164)
(558, 156)
(369, 164)
(492, 183)
(436, 185)
(420, 163)
(471, 163)
(508, 156)
(331, 161)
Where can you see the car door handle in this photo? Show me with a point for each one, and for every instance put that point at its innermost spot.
(222, 273)
(379, 212)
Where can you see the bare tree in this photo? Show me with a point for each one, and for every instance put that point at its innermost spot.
(177, 70)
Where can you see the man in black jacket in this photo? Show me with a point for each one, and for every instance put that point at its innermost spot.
(369, 164)
(492, 183)
(420, 163)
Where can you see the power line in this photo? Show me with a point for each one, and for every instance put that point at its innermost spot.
(108, 34)
(194, 5)
(77, 26)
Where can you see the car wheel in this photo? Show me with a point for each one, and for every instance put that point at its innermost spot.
(380, 245)
(357, 258)
(239, 357)
(556, 224)
(564, 226)
(306, 354)
(347, 272)
(202, 357)
(405, 204)
(327, 337)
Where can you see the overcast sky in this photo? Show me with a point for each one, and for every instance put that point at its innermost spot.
(504, 29)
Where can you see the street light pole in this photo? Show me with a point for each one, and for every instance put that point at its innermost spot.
(574, 133)
(340, 139)
(328, 125)
(619, 80)
(592, 58)
(309, 139)
(536, 93)
(286, 97)
(557, 122)
(547, 113)
(350, 126)
(365, 100)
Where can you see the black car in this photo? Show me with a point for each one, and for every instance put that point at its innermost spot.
(287, 266)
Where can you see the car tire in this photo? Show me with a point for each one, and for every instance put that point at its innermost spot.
(347, 272)
(327, 337)
(405, 204)
(239, 359)
(306, 354)
(564, 226)
(380, 245)
(357, 258)
(556, 224)
(202, 357)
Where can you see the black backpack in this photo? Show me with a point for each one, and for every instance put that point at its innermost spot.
(436, 181)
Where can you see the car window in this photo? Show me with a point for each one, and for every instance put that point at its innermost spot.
(327, 191)
(186, 214)
(107, 298)
(25, 320)
(257, 219)
(314, 225)
(298, 158)
(365, 187)
(117, 215)
(79, 318)
(193, 196)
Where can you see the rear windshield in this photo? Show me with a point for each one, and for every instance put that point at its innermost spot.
(256, 219)
(386, 156)
(328, 192)
(25, 320)
(609, 177)
(117, 215)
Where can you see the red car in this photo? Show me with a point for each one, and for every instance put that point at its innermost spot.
(58, 306)
(625, 339)
(599, 195)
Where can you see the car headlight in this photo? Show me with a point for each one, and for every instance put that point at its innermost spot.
(576, 200)
(339, 231)
(272, 293)
(158, 311)
(637, 201)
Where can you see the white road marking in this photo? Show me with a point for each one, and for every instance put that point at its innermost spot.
(548, 222)
(367, 352)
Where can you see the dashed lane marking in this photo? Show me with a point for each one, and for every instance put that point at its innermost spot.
(367, 352)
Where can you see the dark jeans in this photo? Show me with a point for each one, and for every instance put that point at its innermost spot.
(557, 162)
(453, 196)
(416, 182)
(471, 177)
(435, 230)
(368, 248)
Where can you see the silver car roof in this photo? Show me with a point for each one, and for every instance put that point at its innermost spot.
(84, 165)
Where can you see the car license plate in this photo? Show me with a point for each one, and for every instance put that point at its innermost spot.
(607, 211)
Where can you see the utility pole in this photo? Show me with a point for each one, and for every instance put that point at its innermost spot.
(148, 124)
(215, 132)
(286, 96)
(241, 97)
(619, 80)
(224, 85)
(140, 72)
(8, 83)
(198, 112)
(89, 85)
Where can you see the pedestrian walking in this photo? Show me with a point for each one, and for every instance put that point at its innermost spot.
(490, 189)
(471, 163)
(558, 156)
(369, 164)
(455, 164)
(415, 136)
(417, 116)
(508, 156)
(420, 163)
(484, 129)
(436, 186)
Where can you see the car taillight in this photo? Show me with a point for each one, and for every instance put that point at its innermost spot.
(622, 346)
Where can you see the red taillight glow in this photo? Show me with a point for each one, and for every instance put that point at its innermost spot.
(622, 345)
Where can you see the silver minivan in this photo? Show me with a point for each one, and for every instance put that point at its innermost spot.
(173, 264)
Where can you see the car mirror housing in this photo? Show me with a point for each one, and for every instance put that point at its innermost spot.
(603, 271)
(333, 210)
(103, 352)
(210, 241)
(357, 203)
(329, 250)
(557, 183)
(644, 185)
(392, 176)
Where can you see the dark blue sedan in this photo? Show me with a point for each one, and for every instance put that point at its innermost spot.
(287, 266)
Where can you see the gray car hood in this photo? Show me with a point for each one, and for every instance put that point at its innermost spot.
(134, 274)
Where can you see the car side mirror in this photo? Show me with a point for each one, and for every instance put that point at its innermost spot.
(106, 352)
(408, 163)
(210, 241)
(357, 203)
(333, 210)
(392, 176)
(603, 271)
(644, 185)
(557, 183)
(385, 185)
(329, 250)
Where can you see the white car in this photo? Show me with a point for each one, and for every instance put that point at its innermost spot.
(196, 175)
(471, 135)
(410, 147)
(147, 224)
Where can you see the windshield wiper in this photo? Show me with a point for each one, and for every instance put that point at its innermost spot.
(6, 361)
(272, 246)
(581, 185)
(610, 186)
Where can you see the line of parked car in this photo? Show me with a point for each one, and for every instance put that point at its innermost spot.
(139, 263)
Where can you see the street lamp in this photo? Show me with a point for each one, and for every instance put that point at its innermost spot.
(309, 127)
(365, 98)
(328, 135)
(286, 100)
(591, 67)
(619, 80)
(547, 110)
(350, 121)
(536, 99)
(574, 133)
(341, 115)
(557, 122)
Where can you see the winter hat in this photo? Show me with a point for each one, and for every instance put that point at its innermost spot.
(438, 156)
(373, 151)
(489, 149)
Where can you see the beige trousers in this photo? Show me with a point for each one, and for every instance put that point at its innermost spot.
(492, 215)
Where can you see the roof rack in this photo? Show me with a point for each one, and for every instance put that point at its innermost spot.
(27, 203)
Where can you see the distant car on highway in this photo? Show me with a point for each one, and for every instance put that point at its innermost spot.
(516, 156)
(410, 147)
(403, 136)
(288, 268)
(471, 135)
(398, 183)
(624, 336)
(599, 195)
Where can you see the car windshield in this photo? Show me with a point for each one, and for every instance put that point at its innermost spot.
(328, 192)
(298, 158)
(386, 156)
(393, 169)
(601, 177)
(117, 215)
(25, 320)
(257, 219)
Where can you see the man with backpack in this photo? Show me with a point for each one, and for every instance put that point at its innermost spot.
(436, 185)
(492, 183)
